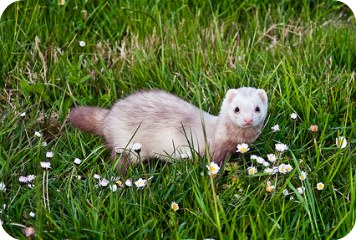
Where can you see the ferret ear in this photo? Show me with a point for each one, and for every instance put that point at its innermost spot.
(263, 95)
(230, 95)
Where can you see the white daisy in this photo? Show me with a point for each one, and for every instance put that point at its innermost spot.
(136, 147)
(128, 183)
(49, 154)
(38, 134)
(282, 168)
(103, 182)
(280, 147)
(301, 190)
(213, 168)
(285, 192)
(113, 187)
(260, 160)
(82, 43)
(252, 170)
(320, 186)
(294, 116)
(96, 176)
(266, 164)
(32, 214)
(271, 157)
(254, 157)
(77, 161)
(175, 206)
(275, 128)
(23, 114)
(341, 142)
(46, 165)
(2, 187)
(303, 176)
(23, 179)
(140, 183)
(31, 177)
(289, 167)
(268, 170)
(242, 148)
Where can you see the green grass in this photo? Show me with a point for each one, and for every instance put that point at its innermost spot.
(302, 53)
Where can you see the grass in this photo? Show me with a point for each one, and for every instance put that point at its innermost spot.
(301, 52)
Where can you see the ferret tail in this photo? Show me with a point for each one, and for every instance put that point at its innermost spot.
(88, 119)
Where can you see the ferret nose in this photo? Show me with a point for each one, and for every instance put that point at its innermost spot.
(248, 120)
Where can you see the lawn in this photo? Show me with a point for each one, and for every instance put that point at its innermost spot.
(57, 56)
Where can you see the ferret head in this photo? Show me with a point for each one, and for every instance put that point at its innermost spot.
(246, 107)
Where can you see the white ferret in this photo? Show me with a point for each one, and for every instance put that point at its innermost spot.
(162, 125)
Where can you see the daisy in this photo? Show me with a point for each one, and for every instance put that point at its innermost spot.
(285, 192)
(301, 190)
(128, 183)
(303, 176)
(289, 167)
(23, 179)
(282, 168)
(341, 142)
(23, 114)
(30, 185)
(268, 170)
(31, 177)
(242, 148)
(136, 147)
(46, 165)
(32, 214)
(96, 176)
(266, 164)
(254, 157)
(314, 128)
(77, 161)
(103, 182)
(49, 154)
(2, 187)
(44, 144)
(320, 186)
(275, 128)
(280, 147)
(38, 134)
(271, 157)
(113, 187)
(260, 160)
(82, 43)
(251, 170)
(213, 168)
(140, 183)
(119, 183)
(175, 206)
(294, 116)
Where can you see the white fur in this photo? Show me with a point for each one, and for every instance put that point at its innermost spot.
(166, 125)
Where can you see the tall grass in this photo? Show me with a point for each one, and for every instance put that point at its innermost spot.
(301, 52)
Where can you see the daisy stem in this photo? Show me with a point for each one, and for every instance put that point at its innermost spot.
(217, 219)
(44, 188)
(47, 190)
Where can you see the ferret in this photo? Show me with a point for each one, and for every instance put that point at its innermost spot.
(156, 124)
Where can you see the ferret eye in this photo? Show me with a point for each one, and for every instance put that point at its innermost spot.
(237, 110)
(257, 109)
